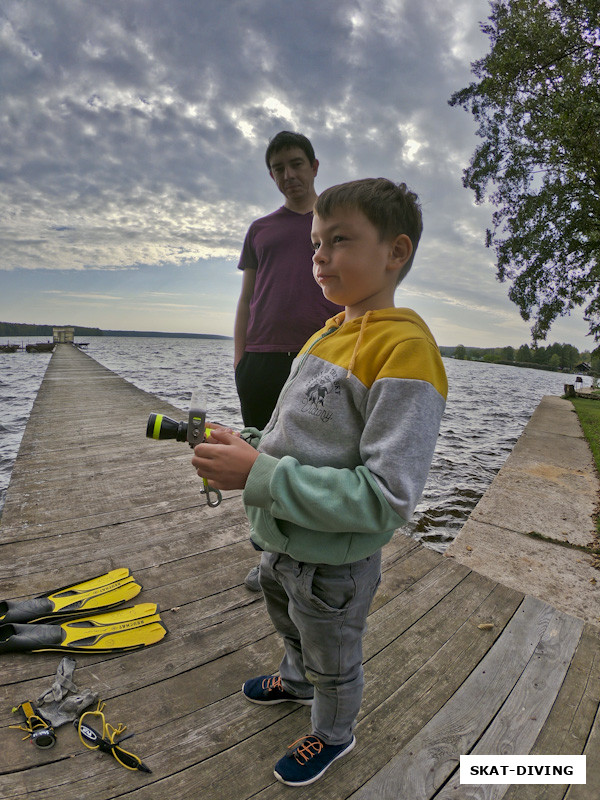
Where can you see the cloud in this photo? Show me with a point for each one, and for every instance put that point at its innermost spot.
(134, 133)
(87, 296)
(133, 138)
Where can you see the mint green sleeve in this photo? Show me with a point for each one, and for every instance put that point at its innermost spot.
(320, 498)
(252, 436)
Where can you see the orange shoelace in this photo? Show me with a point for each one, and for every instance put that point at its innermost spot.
(308, 747)
(273, 683)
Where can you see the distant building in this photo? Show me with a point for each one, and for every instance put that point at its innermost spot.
(62, 334)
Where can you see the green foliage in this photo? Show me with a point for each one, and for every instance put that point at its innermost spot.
(554, 361)
(537, 104)
(556, 356)
(27, 329)
(588, 412)
(13, 329)
(493, 357)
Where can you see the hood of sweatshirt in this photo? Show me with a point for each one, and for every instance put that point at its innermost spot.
(355, 333)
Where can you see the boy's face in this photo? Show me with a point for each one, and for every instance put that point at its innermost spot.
(294, 174)
(353, 267)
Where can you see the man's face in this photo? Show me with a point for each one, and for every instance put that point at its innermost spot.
(294, 174)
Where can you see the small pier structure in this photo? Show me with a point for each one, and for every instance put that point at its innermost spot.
(63, 333)
(455, 662)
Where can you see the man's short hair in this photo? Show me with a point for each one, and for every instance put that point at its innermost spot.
(391, 207)
(287, 139)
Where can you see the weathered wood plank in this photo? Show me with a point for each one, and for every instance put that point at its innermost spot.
(89, 492)
(458, 726)
(222, 722)
(110, 673)
(209, 580)
(567, 728)
(230, 772)
(415, 692)
(591, 789)
(512, 732)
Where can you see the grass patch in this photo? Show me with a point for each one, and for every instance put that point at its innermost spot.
(588, 412)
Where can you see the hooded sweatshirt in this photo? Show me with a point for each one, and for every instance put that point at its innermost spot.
(345, 456)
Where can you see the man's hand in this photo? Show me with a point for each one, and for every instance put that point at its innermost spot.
(225, 460)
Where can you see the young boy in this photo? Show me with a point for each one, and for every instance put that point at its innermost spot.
(341, 464)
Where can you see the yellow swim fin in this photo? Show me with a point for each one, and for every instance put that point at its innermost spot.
(104, 591)
(115, 631)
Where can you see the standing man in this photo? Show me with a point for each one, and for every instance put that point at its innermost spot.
(280, 303)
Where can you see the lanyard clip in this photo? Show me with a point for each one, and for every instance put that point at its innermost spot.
(197, 432)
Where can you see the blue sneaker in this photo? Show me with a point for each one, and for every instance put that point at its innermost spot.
(267, 690)
(307, 760)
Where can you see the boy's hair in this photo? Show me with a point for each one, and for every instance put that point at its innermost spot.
(286, 139)
(392, 208)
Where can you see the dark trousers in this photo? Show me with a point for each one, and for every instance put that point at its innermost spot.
(259, 378)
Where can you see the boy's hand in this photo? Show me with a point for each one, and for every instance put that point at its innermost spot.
(225, 460)
(215, 426)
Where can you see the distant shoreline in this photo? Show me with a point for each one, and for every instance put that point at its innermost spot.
(25, 329)
(165, 335)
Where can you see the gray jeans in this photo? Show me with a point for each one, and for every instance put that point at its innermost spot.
(320, 611)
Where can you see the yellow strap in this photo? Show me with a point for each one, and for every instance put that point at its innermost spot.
(28, 709)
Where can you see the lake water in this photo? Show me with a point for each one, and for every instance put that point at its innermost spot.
(488, 407)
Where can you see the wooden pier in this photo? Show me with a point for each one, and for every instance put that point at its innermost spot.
(455, 663)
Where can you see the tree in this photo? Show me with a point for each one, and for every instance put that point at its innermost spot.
(524, 353)
(540, 356)
(460, 352)
(537, 103)
(493, 356)
(569, 358)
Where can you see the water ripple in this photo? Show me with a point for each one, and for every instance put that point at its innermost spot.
(488, 407)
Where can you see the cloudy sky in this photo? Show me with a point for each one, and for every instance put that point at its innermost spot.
(133, 137)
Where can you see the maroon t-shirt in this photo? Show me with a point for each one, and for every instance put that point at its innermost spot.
(287, 306)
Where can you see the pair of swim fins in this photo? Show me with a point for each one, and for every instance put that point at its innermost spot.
(66, 618)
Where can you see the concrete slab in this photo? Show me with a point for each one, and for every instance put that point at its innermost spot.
(551, 501)
(549, 486)
(556, 415)
(560, 576)
(537, 445)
